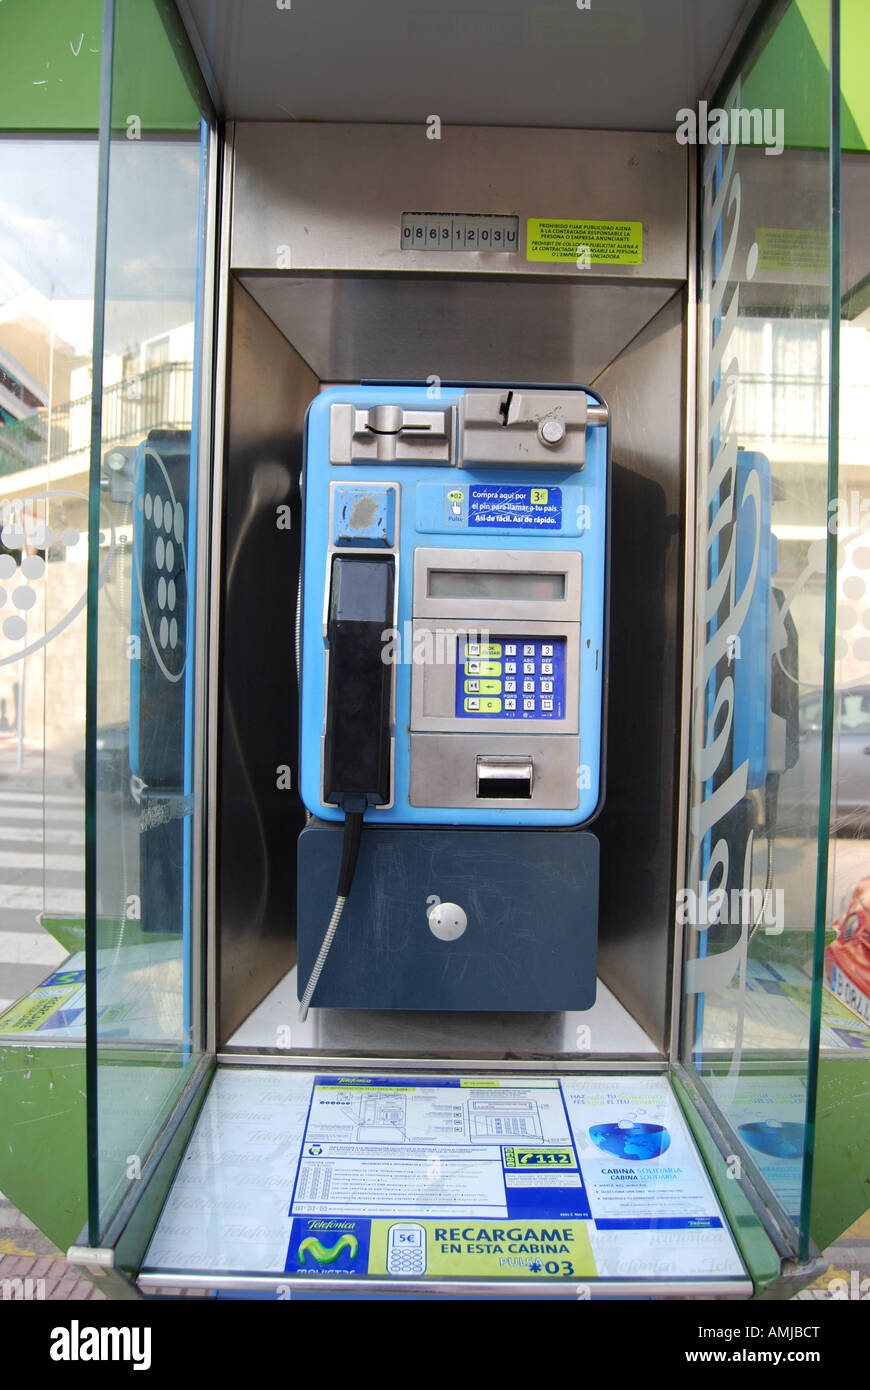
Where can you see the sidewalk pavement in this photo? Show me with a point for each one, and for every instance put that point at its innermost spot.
(28, 1255)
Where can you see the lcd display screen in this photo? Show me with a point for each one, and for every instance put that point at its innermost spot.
(496, 584)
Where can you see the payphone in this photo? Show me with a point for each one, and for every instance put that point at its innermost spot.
(453, 651)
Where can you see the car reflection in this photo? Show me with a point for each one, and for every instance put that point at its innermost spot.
(798, 803)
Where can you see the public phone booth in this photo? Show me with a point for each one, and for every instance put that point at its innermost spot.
(463, 893)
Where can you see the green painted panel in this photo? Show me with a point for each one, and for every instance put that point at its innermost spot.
(854, 41)
(841, 1166)
(793, 72)
(50, 55)
(42, 1121)
(854, 55)
(70, 932)
(758, 1253)
(147, 82)
(43, 1168)
(133, 1242)
(790, 73)
(50, 64)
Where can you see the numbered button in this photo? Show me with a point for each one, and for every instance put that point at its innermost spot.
(547, 649)
(529, 668)
(529, 649)
(510, 649)
(546, 703)
(528, 704)
(546, 668)
(510, 703)
(529, 687)
(510, 667)
(546, 687)
(510, 686)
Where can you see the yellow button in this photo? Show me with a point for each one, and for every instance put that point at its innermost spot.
(484, 668)
(489, 705)
(475, 687)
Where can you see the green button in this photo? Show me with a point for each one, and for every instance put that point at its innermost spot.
(477, 687)
(474, 650)
(487, 705)
(473, 667)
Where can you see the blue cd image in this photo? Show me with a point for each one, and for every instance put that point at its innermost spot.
(631, 1140)
(776, 1138)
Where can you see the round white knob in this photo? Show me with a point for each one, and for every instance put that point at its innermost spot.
(447, 921)
(552, 431)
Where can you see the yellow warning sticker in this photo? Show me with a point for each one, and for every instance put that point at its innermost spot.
(793, 248)
(583, 242)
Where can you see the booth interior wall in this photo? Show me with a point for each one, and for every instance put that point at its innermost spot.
(269, 387)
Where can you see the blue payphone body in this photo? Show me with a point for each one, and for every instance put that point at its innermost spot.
(452, 666)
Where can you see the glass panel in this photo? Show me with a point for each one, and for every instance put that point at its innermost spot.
(49, 113)
(142, 599)
(748, 908)
(846, 997)
(46, 322)
(851, 786)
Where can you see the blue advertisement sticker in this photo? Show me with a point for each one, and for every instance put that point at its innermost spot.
(328, 1245)
(506, 507)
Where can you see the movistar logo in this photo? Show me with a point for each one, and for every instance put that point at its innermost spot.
(327, 1255)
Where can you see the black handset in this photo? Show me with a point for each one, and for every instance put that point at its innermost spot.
(356, 754)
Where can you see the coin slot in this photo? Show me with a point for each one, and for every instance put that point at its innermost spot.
(504, 779)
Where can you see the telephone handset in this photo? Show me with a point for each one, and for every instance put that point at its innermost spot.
(356, 745)
(356, 753)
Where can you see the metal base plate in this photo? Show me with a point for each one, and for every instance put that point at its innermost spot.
(531, 938)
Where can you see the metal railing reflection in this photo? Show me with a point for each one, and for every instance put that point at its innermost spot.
(159, 398)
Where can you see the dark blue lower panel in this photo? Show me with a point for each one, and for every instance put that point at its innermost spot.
(531, 898)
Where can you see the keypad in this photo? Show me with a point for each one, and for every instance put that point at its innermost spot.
(514, 678)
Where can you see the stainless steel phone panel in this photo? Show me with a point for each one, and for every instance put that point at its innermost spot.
(444, 769)
(522, 429)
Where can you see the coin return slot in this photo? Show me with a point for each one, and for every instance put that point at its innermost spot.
(504, 778)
